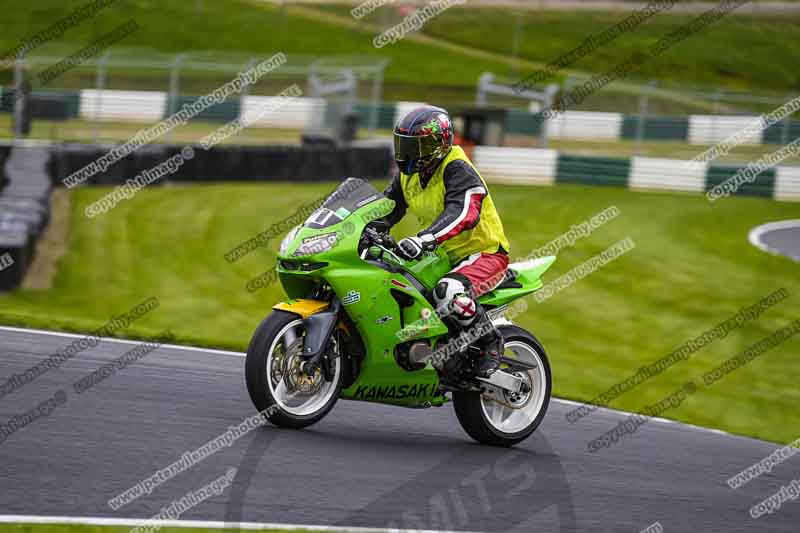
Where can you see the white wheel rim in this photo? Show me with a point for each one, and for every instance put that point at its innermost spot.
(295, 403)
(504, 418)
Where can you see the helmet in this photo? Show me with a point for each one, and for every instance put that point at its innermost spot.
(422, 139)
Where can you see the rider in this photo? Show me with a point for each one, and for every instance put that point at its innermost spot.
(442, 188)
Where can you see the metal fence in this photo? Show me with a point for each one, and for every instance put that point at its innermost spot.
(111, 97)
(97, 99)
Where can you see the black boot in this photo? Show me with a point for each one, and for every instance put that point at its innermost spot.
(491, 346)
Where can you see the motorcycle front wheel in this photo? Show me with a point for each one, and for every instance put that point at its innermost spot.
(276, 381)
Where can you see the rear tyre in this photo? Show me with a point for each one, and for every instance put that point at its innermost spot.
(490, 422)
(276, 383)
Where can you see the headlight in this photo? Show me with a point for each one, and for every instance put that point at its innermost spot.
(288, 240)
(316, 244)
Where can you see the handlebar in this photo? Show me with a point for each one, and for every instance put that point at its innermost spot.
(377, 234)
(380, 238)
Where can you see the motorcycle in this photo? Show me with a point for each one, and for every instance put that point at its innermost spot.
(360, 324)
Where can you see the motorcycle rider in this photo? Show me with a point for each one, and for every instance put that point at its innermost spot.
(442, 188)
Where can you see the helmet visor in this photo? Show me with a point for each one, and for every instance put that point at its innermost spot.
(413, 147)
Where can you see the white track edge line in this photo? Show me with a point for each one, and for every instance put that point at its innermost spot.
(653, 419)
(133, 522)
(569, 402)
(120, 341)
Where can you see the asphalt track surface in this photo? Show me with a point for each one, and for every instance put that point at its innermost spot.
(364, 465)
(782, 238)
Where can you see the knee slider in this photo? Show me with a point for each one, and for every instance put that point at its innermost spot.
(452, 301)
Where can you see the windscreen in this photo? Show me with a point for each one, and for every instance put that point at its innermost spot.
(349, 196)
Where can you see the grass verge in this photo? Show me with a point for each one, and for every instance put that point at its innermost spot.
(739, 52)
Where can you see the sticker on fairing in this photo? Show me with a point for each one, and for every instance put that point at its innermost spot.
(351, 297)
(367, 200)
(400, 284)
(321, 216)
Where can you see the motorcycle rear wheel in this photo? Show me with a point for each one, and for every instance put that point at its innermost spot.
(490, 422)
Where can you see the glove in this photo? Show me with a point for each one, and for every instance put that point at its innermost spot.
(412, 247)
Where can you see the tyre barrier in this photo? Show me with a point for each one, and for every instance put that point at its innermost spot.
(5, 151)
(309, 163)
(24, 209)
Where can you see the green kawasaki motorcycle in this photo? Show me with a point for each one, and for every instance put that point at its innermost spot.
(361, 325)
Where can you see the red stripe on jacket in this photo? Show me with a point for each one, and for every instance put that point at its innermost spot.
(470, 219)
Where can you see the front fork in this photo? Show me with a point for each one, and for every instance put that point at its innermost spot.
(319, 326)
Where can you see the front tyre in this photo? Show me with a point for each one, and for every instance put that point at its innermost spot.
(276, 381)
(511, 419)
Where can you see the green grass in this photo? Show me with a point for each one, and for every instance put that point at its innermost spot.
(442, 63)
(739, 51)
(691, 269)
(236, 27)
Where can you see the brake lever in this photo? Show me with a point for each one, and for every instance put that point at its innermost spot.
(382, 239)
(390, 242)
